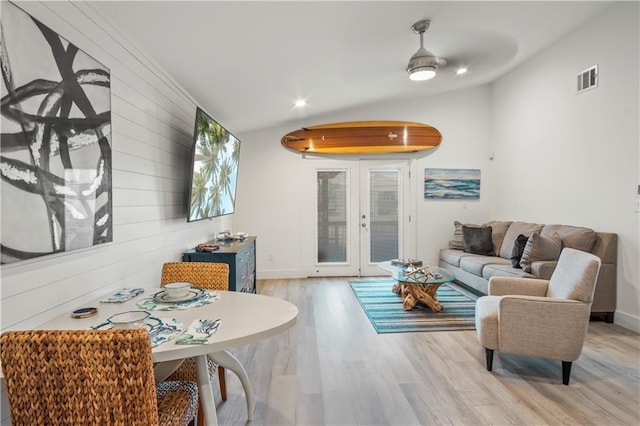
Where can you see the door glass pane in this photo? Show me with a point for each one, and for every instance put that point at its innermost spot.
(384, 186)
(332, 216)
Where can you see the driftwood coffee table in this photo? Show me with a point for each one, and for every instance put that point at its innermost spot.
(417, 287)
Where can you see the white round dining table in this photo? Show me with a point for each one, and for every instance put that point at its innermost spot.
(245, 318)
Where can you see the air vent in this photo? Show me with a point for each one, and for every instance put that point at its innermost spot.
(588, 79)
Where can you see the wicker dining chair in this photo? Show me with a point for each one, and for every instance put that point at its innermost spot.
(207, 275)
(85, 377)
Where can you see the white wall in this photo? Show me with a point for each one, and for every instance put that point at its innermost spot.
(152, 122)
(572, 158)
(275, 186)
(559, 157)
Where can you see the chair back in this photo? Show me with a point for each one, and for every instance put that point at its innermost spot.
(575, 276)
(208, 275)
(81, 377)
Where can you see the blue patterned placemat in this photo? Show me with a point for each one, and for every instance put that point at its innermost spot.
(199, 332)
(123, 295)
(149, 304)
(160, 329)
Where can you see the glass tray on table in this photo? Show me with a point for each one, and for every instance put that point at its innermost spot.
(417, 274)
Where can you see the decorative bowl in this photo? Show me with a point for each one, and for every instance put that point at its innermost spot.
(129, 320)
(177, 290)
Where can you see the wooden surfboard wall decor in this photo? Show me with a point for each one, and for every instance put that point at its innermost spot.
(363, 137)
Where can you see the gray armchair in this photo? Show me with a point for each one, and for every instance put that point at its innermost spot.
(541, 318)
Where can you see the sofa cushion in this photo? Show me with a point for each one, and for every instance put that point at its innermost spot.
(540, 247)
(475, 264)
(456, 240)
(518, 250)
(506, 270)
(452, 256)
(572, 236)
(477, 239)
(515, 229)
(498, 229)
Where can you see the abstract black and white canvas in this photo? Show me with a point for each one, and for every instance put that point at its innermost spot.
(55, 146)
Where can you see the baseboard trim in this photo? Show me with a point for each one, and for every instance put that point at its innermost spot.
(281, 273)
(627, 321)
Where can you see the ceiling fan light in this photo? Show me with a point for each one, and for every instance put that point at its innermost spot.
(423, 64)
(422, 73)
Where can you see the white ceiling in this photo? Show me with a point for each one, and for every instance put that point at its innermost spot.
(246, 62)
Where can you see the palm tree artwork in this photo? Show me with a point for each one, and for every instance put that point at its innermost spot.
(215, 169)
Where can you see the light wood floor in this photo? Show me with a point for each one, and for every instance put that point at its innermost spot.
(333, 369)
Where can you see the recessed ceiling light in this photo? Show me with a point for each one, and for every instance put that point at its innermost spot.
(461, 71)
(300, 103)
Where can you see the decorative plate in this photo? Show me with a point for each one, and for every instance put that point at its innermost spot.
(163, 296)
(149, 304)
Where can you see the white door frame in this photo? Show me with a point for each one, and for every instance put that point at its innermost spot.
(368, 268)
(353, 265)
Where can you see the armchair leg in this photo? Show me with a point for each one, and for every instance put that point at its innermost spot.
(566, 372)
(489, 355)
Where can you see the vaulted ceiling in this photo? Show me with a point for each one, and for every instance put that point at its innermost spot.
(246, 63)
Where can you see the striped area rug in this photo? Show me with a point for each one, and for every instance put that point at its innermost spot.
(384, 309)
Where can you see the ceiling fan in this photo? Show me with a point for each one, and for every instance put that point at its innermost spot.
(423, 64)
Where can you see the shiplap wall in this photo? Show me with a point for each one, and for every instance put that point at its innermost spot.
(152, 126)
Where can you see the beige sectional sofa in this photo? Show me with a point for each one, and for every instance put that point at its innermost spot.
(474, 270)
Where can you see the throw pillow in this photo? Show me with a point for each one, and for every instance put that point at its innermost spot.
(515, 229)
(498, 233)
(456, 240)
(477, 240)
(540, 247)
(518, 249)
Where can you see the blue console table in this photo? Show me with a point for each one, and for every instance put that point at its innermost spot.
(239, 255)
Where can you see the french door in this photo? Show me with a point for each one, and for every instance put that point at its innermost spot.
(361, 216)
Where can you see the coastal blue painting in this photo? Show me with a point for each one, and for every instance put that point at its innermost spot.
(452, 184)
